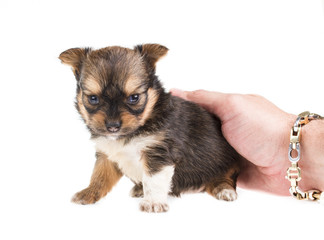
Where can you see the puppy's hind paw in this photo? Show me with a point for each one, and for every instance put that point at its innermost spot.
(148, 206)
(226, 195)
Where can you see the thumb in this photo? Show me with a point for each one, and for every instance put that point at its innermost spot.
(213, 102)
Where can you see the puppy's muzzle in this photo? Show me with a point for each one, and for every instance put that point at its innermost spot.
(113, 127)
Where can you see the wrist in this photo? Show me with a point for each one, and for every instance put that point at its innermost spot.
(283, 160)
(312, 157)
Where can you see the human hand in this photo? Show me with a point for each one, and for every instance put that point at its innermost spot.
(256, 129)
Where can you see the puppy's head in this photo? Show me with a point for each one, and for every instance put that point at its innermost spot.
(117, 88)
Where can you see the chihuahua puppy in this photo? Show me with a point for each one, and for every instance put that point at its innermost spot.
(164, 144)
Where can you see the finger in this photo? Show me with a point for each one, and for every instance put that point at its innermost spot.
(214, 102)
(179, 93)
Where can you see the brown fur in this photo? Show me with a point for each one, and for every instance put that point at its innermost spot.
(129, 120)
(152, 99)
(105, 175)
(74, 57)
(228, 181)
(98, 121)
(133, 85)
(152, 53)
(91, 87)
(81, 108)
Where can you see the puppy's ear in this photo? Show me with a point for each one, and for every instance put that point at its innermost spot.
(74, 57)
(151, 52)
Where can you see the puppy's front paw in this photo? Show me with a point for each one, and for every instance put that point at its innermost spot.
(148, 206)
(86, 196)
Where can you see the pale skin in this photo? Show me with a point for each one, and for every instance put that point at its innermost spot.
(260, 132)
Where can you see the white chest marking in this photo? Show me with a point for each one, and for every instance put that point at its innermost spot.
(127, 156)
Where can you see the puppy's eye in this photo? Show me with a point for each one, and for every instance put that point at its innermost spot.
(133, 99)
(93, 99)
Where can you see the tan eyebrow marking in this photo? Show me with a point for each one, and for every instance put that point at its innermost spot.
(91, 86)
(134, 85)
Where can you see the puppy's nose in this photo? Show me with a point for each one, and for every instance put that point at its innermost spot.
(113, 126)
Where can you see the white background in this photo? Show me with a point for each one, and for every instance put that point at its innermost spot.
(274, 48)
